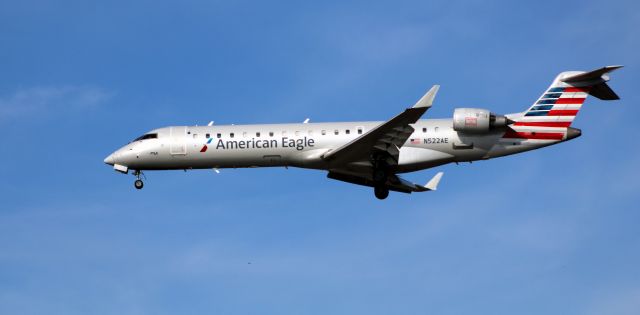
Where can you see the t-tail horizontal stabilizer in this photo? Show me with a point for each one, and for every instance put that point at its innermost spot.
(597, 80)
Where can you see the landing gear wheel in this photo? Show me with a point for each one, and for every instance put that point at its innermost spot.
(138, 184)
(381, 192)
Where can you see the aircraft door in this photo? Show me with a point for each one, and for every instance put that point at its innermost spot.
(178, 139)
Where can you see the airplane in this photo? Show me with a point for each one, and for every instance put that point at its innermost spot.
(372, 153)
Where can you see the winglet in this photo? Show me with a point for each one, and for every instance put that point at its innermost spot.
(427, 99)
(433, 183)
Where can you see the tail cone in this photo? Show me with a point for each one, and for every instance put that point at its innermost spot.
(573, 133)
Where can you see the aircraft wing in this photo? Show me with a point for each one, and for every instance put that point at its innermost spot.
(394, 182)
(386, 138)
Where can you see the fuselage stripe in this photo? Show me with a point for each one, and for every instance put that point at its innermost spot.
(512, 134)
(577, 89)
(563, 112)
(570, 101)
(543, 123)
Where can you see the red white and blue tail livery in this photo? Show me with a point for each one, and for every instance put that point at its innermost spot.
(552, 114)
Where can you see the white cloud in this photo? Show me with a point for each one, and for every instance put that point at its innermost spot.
(36, 100)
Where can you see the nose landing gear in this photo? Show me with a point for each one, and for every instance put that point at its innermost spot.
(138, 183)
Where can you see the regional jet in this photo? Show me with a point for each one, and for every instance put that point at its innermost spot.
(372, 153)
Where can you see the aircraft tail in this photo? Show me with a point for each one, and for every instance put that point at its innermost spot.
(550, 117)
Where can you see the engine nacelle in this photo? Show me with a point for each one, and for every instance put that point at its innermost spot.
(477, 120)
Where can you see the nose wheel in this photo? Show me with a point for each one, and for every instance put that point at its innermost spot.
(138, 184)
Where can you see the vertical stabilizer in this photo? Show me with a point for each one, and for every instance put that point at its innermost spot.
(553, 113)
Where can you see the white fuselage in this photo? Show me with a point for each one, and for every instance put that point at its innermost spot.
(434, 142)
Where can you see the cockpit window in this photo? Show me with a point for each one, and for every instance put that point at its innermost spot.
(147, 136)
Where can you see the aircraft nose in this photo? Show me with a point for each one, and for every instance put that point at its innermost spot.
(111, 159)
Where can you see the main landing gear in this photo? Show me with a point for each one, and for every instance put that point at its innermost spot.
(379, 176)
(381, 192)
(138, 183)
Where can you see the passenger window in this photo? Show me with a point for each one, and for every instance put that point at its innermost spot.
(257, 134)
(347, 131)
(297, 133)
(208, 136)
(231, 135)
(195, 136)
(323, 132)
(219, 136)
(270, 133)
(359, 131)
(336, 132)
(424, 129)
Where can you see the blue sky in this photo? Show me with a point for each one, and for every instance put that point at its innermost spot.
(549, 231)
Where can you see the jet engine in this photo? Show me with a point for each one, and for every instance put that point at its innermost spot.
(478, 120)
